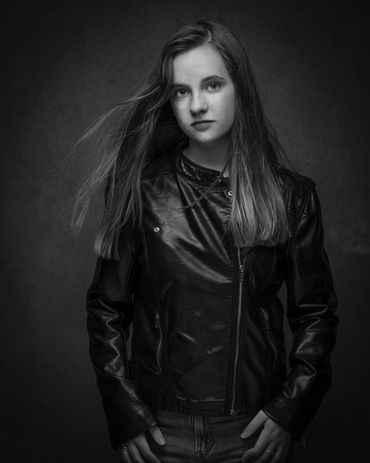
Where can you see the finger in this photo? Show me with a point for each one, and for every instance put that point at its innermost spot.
(260, 446)
(258, 456)
(134, 453)
(145, 451)
(279, 456)
(266, 456)
(264, 414)
(256, 422)
(157, 435)
(124, 457)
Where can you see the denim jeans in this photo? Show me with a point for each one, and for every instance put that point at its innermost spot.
(197, 439)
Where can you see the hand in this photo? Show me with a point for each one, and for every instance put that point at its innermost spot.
(273, 437)
(138, 449)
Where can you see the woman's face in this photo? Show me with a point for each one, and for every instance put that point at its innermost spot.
(202, 90)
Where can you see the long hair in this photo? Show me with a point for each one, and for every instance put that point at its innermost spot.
(143, 127)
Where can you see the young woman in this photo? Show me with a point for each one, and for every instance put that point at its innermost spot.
(202, 225)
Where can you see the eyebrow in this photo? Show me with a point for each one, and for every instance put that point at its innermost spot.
(176, 84)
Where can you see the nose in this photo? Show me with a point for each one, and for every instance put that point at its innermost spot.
(198, 105)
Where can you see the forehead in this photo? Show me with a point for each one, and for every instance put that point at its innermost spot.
(195, 64)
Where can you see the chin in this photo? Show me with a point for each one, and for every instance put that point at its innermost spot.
(208, 138)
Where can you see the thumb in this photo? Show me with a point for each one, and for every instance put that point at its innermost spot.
(253, 425)
(157, 435)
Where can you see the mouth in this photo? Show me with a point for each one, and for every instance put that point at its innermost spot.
(201, 122)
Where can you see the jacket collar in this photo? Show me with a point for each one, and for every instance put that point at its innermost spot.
(197, 173)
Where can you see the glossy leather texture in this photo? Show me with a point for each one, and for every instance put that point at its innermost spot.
(207, 322)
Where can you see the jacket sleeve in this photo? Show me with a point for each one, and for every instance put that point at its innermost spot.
(109, 314)
(311, 307)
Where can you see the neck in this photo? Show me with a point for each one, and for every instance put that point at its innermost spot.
(212, 156)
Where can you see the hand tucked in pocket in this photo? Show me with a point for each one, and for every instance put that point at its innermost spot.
(272, 444)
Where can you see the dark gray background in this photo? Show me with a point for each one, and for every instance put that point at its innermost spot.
(65, 63)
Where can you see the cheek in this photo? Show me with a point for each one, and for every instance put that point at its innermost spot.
(178, 111)
(229, 111)
(231, 107)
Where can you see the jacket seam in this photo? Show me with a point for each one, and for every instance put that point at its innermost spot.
(302, 208)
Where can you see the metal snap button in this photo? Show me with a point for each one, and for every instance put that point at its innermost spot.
(230, 193)
(156, 229)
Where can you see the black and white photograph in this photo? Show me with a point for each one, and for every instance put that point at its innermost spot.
(185, 235)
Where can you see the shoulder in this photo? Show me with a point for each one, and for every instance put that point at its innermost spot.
(299, 192)
(293, 181)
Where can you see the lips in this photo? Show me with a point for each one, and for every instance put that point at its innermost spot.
(201, 122)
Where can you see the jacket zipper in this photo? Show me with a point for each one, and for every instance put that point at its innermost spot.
(157, 322)
(159, 328)
(268, 331)
(241, 276)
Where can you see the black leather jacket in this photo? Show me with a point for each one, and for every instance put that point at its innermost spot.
(208, 335)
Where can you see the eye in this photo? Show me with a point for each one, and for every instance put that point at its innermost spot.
(179, 93)
(213, 85)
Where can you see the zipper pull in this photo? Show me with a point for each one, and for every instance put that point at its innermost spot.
(156, 324)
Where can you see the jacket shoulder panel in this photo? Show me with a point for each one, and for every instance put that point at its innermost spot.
(293, 181)
(296, 189)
